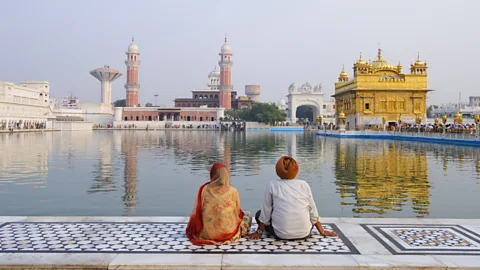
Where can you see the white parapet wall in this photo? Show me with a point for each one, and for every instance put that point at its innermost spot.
(60, 125)
(162, 124)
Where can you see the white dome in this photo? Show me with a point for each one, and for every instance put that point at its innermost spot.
(133, 48)
(214, 74)
(226, 48)
(282, 102)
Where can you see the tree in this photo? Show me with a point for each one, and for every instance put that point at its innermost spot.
(120, 103)
(267, 113)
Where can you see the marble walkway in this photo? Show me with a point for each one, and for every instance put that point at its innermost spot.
(160, 243)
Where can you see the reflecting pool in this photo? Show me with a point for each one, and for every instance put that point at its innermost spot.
(158, 173)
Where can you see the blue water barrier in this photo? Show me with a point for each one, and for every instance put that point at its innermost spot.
(400, 138)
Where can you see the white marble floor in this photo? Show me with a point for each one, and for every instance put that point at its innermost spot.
(160, 243)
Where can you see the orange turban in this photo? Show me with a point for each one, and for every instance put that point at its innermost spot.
(287, 168)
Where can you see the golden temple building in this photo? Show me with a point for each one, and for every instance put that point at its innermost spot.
(379, 91)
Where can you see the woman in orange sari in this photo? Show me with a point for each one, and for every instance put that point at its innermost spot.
(217, 218)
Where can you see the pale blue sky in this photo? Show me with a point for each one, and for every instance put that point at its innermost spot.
(274, 43)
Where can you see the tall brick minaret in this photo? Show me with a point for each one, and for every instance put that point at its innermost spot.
(132, 85)
(225, 63)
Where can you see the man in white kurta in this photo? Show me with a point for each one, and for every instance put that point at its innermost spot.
(288, 210)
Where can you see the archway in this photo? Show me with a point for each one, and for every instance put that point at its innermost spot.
(306, 113)
(305, 96)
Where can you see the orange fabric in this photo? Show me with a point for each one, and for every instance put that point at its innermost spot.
(286, 168)
(216, 216)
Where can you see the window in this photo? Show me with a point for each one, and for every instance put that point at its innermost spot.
(201, 118)
(383, 104)
(391, 105)
(213, 119)
(367, 106)
(324, 106)
(401, 104)
(126, 118)
(137, 118)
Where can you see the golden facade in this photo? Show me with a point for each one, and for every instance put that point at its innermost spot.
(379, 89)
(375, 179)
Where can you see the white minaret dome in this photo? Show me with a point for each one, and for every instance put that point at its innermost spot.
(214, 73)
(133, 48)
(226, 48)
(282, 102)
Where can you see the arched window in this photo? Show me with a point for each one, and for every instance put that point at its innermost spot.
(391, 104)
(196, 96)
(201, 118)
(126, 118)
(383, 104)
(150, 118)
(188, 118)
(401, 104)
(216, 96)
(367, 106)
(211, 96)
(137, 118)
(213, 119)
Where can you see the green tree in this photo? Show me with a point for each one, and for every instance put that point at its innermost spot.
(120, 103)
(267, 113)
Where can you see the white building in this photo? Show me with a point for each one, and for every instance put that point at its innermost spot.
(312, 97)
(24, 105)
(94, 113)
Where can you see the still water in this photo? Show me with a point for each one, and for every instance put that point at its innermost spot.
(158, 173)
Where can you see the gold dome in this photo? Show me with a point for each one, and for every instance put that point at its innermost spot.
(419, 62)
(380, 63)
(361, 61)
(343, 75)
(341, 115)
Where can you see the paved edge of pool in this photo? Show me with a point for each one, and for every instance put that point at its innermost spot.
(370, 236)
(400, 138)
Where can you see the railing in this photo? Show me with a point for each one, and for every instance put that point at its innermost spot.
(414, 134)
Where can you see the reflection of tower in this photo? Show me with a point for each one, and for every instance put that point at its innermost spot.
(132, 85)
(106, 75)
(225, 63)
(102, 176)
(382, 178)
(129, 148)
(227, 153)
(292, 146)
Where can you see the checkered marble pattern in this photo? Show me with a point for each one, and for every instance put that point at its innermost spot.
(426, 239)
(148, 238)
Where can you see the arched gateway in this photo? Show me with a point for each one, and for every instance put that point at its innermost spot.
(306, 95)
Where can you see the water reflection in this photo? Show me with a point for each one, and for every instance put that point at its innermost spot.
(129, 151)
(158, 173)
(378, 177)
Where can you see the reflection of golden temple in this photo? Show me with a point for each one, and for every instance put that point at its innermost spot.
(384, 179)
(379, 89)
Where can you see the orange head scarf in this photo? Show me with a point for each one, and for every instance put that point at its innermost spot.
(286, 168)
(218, 186)
(214, 169)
